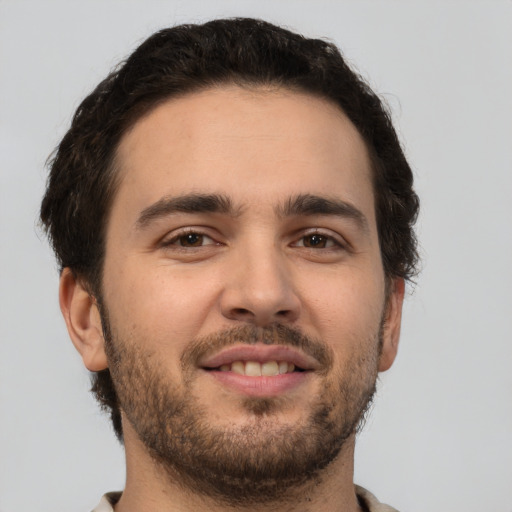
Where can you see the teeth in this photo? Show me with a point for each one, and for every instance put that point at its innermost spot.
(252, 369)
(269, 369)
(238, 367)
(256, 369)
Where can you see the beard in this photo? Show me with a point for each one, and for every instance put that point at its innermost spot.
(262, 460)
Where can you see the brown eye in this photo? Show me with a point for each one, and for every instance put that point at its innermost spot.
(191, 240)
(315, 241)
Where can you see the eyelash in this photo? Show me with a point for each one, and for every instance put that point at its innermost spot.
(337, 244)
(183, 233)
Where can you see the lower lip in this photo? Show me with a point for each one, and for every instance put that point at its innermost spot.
(260, 386)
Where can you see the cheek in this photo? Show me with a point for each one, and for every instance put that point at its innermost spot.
(347, 311)
(160, 304)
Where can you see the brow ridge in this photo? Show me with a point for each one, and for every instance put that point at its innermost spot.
(295, 206)
(311, 205)
(188, 203)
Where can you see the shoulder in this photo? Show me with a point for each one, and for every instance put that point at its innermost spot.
(107, 502)
(370, 502)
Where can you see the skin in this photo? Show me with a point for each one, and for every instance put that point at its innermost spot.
(253, 266)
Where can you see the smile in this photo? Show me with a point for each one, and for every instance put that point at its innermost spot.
(260, 370)
(257, 369)
(259, 360)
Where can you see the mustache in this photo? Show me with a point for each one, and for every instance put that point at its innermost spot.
(276, 334)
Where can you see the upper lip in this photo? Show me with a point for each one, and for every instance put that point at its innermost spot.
(260, 353)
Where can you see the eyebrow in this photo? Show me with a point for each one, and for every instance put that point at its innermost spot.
(307, 205)
(189, 203)
(310, 205)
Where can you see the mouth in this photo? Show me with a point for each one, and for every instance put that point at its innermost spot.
(259, 370)
(259, 360)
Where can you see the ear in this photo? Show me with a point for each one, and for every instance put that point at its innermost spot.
(392, 322)
(83, 321)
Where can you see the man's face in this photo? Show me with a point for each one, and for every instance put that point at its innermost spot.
(242, 241)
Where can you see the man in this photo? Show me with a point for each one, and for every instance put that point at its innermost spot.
(232, 213)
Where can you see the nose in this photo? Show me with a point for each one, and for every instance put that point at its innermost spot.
(260, 289)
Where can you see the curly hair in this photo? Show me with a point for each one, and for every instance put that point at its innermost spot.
(188, 58)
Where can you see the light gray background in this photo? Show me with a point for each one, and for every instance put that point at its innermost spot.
(440, 434)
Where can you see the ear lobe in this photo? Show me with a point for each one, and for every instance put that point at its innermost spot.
(392, 323)
(83, 321)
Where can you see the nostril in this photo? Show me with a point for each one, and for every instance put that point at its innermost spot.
(241, 311)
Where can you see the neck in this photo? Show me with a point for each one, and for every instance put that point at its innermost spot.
(151, 487)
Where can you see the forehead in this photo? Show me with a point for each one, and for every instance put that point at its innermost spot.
(254, 145)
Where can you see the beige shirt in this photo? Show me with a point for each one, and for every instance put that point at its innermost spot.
(366, 499)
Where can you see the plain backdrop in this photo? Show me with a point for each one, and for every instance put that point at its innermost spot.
(440, 435)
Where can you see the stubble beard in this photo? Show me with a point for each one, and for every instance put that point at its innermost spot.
(261, 461)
